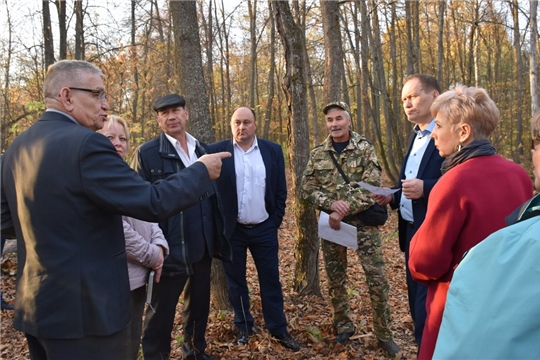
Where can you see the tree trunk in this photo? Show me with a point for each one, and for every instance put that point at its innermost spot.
(47, 35)
(271, 77)
(79, 30)
(190, 69)
(365, 53)
(226, 37)
(440, 47)
(472, 41)
(301, 16)
(209, 45)
(518, 70)
(357, 78)
(395, 96)
(379, 88)
(333, 50)
(411, 15)
(533, 66)
(61, 9)
(134, 59)
(307, 245)
(252, 9)
(223, 112)
(6, 113)
(416, 35)
(193, 89)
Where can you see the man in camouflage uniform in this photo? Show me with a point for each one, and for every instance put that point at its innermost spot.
(323, 186)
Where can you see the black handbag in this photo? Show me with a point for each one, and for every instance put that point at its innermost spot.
(375, 215)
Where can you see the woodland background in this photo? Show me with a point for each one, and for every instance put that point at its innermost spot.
(285, 59)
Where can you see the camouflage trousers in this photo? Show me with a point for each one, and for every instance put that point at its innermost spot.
(371, 257)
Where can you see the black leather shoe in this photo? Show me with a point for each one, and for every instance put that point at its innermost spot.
(287, 341)
(203, 356)
(390, 347)
(6, 306)
(243, 336)
(343, 337)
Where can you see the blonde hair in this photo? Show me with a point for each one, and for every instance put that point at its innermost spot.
(113, 120)
(468, 105)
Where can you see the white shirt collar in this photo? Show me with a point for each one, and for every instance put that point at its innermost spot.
(253, 146)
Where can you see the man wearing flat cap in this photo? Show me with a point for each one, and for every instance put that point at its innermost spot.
(333, 192)
(194, 236)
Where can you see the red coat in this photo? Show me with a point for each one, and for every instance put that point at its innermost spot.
(466, 205)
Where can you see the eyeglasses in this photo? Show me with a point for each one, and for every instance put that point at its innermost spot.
(101, 94)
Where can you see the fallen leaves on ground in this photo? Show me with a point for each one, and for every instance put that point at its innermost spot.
(309, 317)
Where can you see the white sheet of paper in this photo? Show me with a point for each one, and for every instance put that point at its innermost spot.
(345, 236)
(377, 190)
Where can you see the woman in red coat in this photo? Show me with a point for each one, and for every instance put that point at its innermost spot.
(477, 191)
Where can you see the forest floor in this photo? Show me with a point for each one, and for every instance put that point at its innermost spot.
(310, 317)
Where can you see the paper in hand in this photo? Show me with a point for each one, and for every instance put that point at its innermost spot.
(377, 190)
(346, 235)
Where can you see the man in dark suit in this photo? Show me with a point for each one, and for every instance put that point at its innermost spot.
(195, 235)
(64, 189)
(253, 190)
(419, 172)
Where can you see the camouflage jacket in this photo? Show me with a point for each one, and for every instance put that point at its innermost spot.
(322, 184)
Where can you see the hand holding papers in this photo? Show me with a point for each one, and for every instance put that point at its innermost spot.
(377, 190)
(345, 236)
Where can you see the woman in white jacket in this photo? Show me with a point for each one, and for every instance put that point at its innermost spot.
(146, 247)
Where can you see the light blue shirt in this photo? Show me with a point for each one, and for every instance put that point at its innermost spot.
(418, 149)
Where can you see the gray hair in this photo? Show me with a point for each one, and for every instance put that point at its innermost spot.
(65, 73)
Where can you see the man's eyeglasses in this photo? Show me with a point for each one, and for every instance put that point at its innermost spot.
(101, 94)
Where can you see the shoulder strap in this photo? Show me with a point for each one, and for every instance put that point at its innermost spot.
(339, 167)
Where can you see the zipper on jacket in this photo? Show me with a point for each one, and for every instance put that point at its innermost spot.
(182, 232)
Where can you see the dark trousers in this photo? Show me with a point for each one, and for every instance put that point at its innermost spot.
(262, 242)
(417, 294)
(109, 347)
(158, 325)
(134, 328)
(3, 238)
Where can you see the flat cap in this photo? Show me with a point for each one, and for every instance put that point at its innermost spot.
(336, 104)
(167, 101)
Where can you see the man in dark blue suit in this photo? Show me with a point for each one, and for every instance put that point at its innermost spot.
(194, 236)
(253, 189)
(419, 172)
(64, 190)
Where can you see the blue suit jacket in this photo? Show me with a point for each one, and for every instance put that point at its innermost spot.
(430, 172)
(276, 186)
(64, 189)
